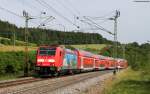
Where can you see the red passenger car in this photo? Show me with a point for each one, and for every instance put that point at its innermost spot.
(122, 63)
(103, 62)
(100, 62)
(110, 63)
(96, 62)
(85, 60)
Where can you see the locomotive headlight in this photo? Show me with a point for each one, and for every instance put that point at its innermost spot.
(51, 60)
(40, 60)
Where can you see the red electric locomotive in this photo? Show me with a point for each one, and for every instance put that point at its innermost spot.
(48, 58)
(51, 60)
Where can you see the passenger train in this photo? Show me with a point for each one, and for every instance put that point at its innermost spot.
(56, 60)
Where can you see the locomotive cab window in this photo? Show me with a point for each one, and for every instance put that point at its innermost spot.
(47, 51)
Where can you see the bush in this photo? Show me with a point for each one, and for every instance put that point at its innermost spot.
(13, 62)
(9, 69)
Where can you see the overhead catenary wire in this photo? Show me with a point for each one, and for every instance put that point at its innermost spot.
(104, 17)
(45, 4)
(90, 24)
(68, 9)
(46, 21)
(74, 8)
(13, 13)
(29, 5)
(35, 8)
(98, 26)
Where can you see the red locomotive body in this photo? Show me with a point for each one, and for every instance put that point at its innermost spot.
(55, 59)
(49, 56)
(49, 59)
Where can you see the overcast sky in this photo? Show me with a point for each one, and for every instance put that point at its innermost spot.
(133, 23)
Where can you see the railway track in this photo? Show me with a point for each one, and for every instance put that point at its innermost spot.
(54, 84)
(18, 82)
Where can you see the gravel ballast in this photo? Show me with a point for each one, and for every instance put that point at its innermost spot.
(75, 87)
(84, 86)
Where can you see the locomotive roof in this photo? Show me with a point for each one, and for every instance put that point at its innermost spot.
(69, 51)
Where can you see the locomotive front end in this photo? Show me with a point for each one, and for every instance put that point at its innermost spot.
(46, 57)
(48, 60)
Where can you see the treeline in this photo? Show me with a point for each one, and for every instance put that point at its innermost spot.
(138, 55)
(48, 36)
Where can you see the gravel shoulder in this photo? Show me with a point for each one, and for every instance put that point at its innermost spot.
(90, 86)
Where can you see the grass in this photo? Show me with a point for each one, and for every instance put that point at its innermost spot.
(94, 48)
(8, 48)
(129, 82)
(17, 42)
(10, 76)
(15, 48)
(91, 46)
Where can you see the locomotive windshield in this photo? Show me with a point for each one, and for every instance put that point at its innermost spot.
(47, 51)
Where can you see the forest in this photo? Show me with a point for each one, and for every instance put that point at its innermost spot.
(48, 36)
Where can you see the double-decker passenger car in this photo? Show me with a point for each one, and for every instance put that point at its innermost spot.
(121, 63)
(85, 60)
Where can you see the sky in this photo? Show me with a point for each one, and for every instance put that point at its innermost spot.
(133, 23)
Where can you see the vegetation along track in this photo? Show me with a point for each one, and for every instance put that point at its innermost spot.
(57, 83)
(18, 82)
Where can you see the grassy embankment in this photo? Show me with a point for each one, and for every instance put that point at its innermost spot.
(129, 82)
(92, 47)
(7, 41)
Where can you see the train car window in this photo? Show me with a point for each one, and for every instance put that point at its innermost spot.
(47, 51)
(60, 53)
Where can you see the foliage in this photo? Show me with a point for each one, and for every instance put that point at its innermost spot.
(137, 79)
(130, 82)
(13, 62)
(138, 56)
(48, 36)
(15, 48)
(7, 41)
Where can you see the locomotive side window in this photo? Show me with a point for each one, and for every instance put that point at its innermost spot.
(47, 51)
